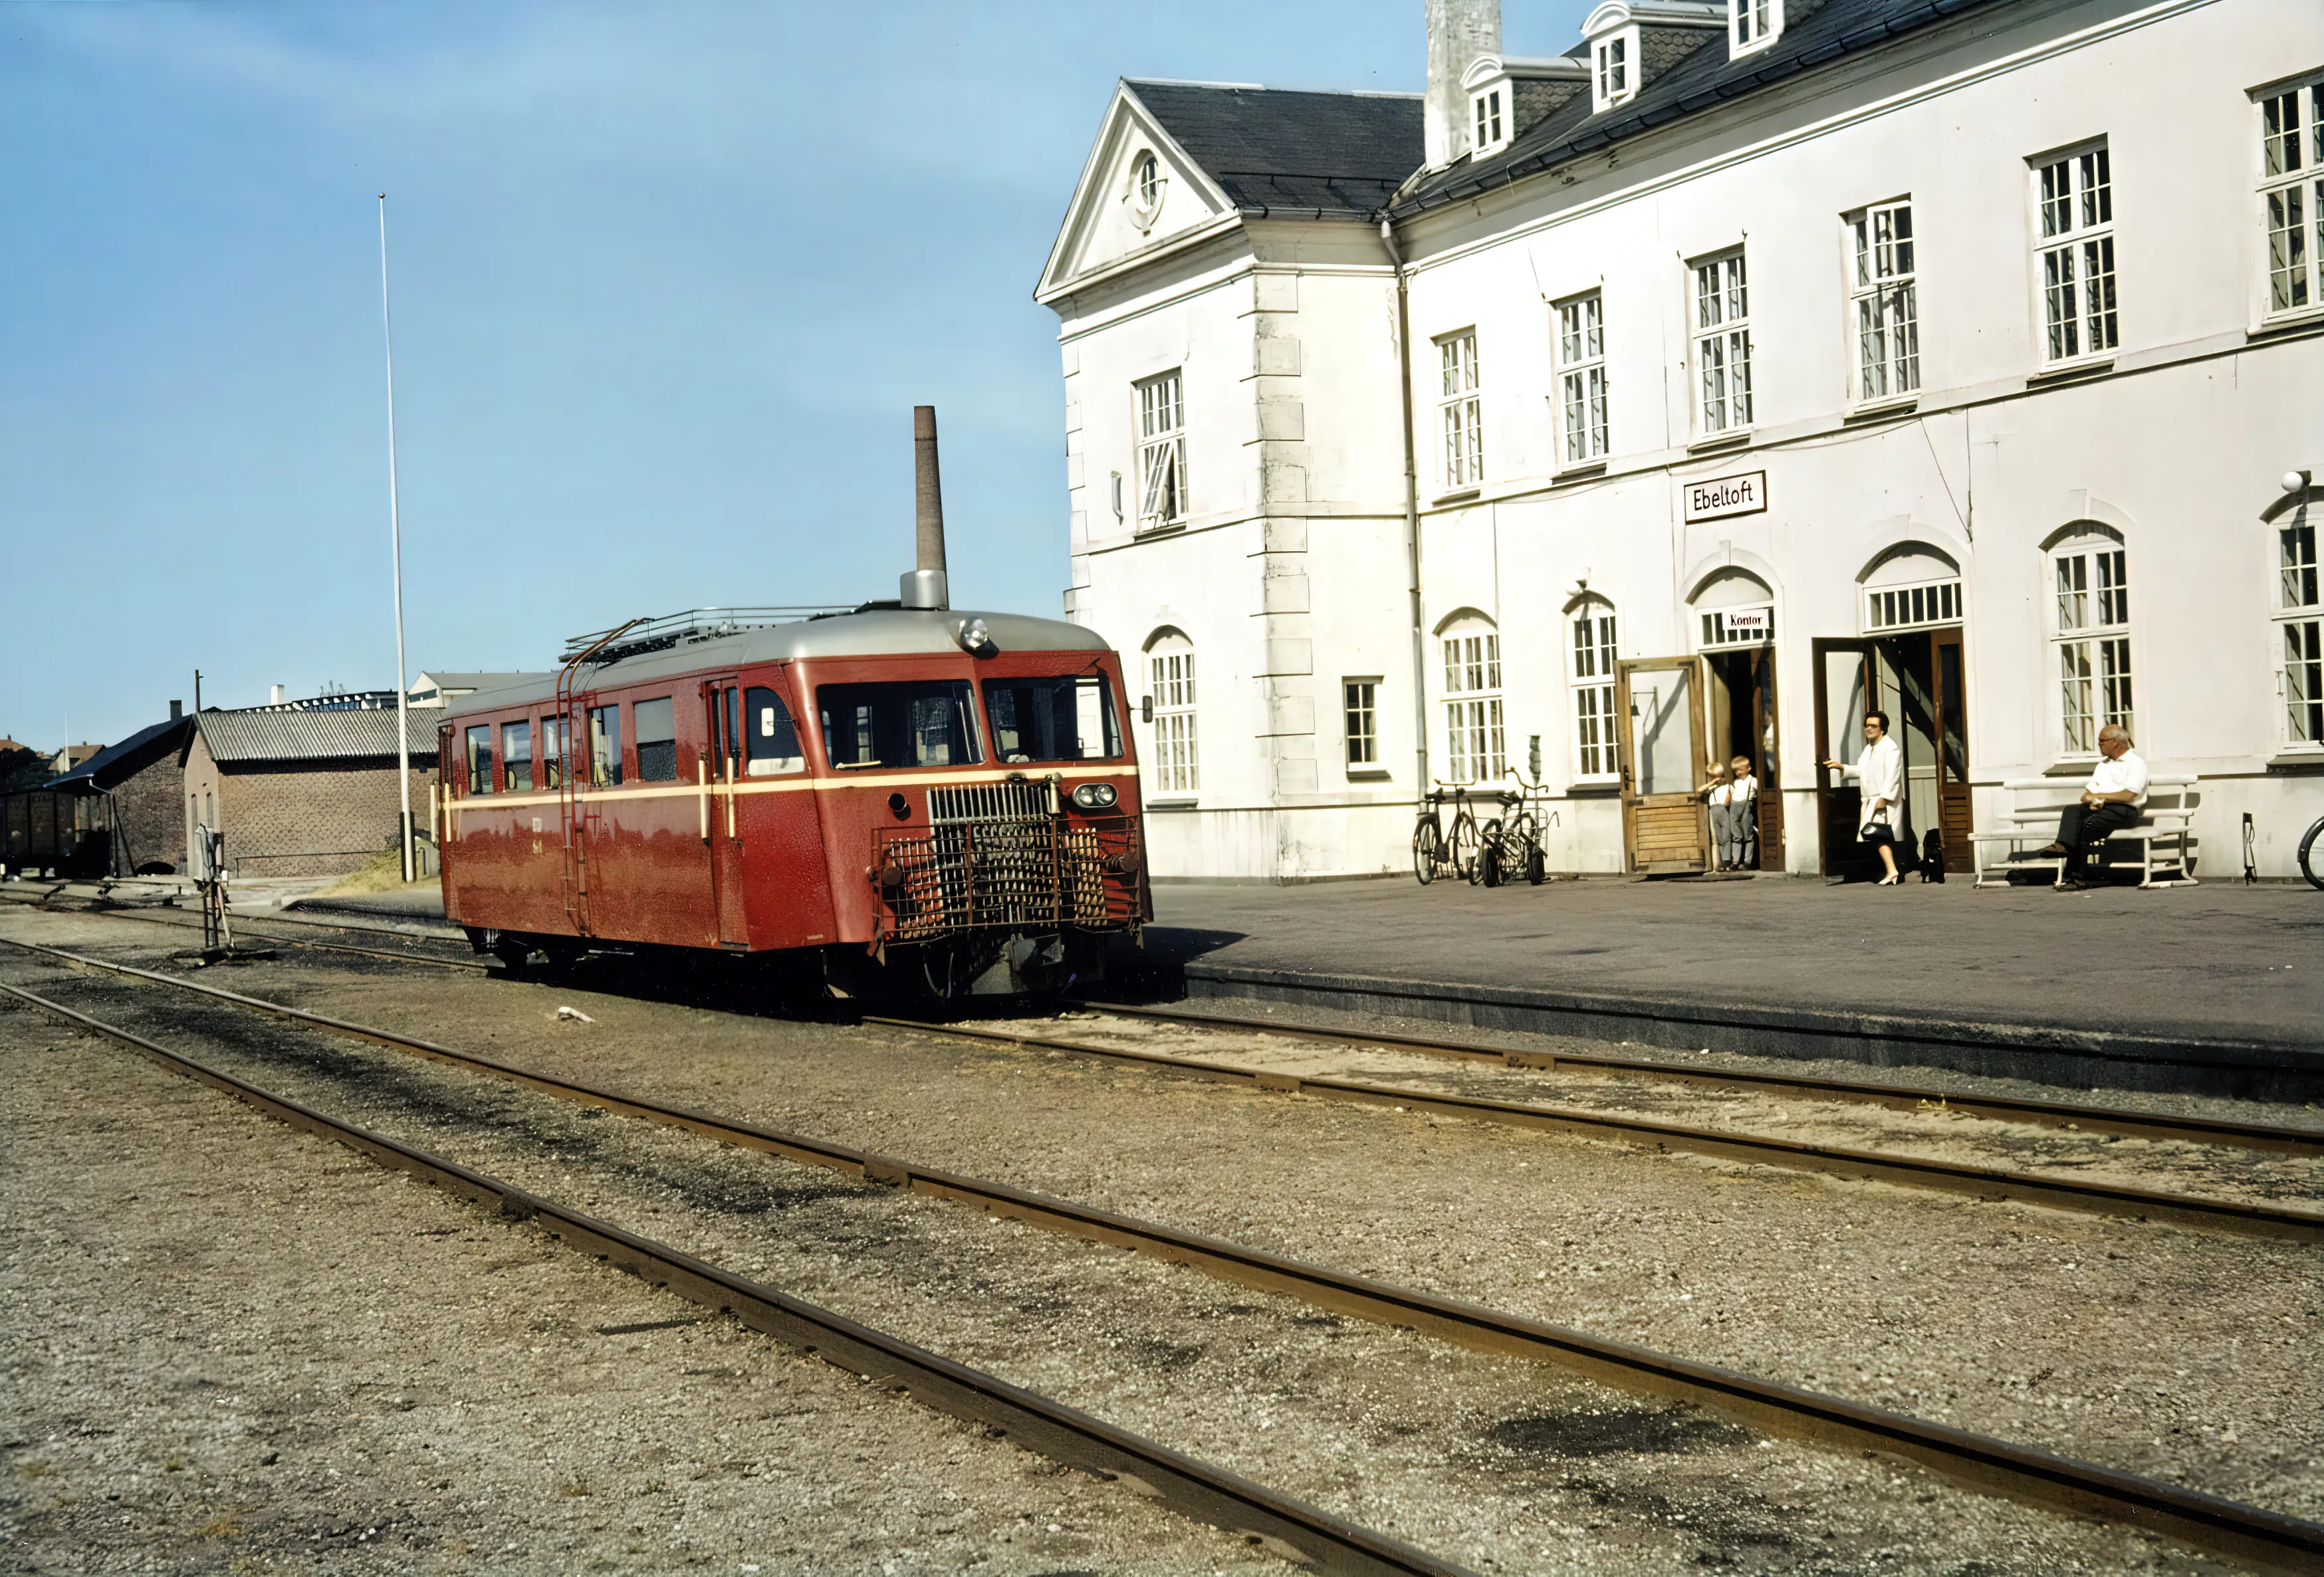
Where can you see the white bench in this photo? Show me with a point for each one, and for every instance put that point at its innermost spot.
(2165, 819)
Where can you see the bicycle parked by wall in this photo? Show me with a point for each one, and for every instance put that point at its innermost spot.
(1437, 850)
(1509, 845)
(2311, 856)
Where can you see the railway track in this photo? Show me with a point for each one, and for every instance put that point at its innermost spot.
(2204, 1522)
(2295, 1223)
(1065, 1434)
(243, 922)
(2261, 1219)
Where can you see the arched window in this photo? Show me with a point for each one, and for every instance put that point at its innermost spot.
(1592, 680)
(1177, 763)
(2300, 624)
(1475, 751)
(2089, 577)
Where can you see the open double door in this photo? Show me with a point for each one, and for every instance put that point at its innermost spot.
(1675, 718)
(1916, 679)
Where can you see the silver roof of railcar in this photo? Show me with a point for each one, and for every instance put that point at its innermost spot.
(872, 633)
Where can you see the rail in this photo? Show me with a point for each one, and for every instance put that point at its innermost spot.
(1984, 1463)
(1040, 1424)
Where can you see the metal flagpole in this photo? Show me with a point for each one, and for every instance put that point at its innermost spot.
(395, 546)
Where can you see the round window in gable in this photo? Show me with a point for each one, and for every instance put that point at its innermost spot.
(1146, 188)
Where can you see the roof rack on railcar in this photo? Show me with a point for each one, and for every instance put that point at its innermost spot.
(664, 631)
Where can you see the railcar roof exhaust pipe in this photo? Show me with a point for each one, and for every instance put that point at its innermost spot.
(925, 586)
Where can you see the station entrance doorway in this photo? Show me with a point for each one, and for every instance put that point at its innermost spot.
(1915, 677)
(1681, 718)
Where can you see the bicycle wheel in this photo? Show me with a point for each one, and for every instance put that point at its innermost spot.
(1488, 869)
(1425, 852)
(1464, 857)
(2312, 860)
(1522, 856)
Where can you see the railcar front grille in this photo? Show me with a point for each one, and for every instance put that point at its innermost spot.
(952, 804)
(1023, 873)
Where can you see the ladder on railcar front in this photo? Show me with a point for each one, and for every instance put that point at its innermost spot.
(570, 804)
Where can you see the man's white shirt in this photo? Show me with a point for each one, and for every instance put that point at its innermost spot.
(2124, 774)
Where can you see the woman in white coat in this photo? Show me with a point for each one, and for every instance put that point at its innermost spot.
(1881, 772)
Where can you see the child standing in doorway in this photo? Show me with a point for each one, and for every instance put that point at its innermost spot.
(1738, 847)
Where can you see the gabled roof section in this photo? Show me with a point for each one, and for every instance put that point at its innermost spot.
(1697, 79)
(115, 764)
(1283, 153)
(1224, 152)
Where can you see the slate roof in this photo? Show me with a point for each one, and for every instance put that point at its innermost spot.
(109, 766)
(1703, 79)
(1288, 154)
(352, 734)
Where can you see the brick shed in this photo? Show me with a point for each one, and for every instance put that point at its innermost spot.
(139, 782)
(306, 789)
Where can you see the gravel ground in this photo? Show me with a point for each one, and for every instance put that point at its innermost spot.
(2026, 1323)
(229, 1347)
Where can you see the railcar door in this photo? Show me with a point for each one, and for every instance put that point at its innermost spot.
(722, 703)
(778, 856)
(1658, 717)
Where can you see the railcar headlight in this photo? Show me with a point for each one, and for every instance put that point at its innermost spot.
(1095, 796)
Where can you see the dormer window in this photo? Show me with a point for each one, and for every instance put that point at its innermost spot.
(1614, 68)
(1752, 24)
(1487, 121)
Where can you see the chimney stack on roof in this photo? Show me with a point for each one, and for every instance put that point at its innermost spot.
(1459, 31)
(276, 698)
(925, 586)
(176, 710)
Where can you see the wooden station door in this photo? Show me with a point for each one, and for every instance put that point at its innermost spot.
(1916, 678)
(1845, 682)
(1659, 724)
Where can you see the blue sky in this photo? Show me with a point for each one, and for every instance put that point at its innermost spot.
(667, 280)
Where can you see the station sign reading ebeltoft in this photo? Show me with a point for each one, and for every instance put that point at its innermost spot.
(1717, 499)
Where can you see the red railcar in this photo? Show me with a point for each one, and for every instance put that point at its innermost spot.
(909, 794)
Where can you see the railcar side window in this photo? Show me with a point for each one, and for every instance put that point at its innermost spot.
(926, 723)
(1067, 717)
(480, 758)
(516, 755)
(656, 727)
(553, 741)
(770, 737)
(604, 745)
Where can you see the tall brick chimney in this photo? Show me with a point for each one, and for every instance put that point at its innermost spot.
(1459, 31)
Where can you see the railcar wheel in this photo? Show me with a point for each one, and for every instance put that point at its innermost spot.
(513, 952)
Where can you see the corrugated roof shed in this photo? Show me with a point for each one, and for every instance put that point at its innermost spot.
(1277, 151)
(314, 736)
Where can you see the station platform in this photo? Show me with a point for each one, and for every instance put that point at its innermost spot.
(2211, 990)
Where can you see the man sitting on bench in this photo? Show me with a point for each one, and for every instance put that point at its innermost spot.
(2109, 803)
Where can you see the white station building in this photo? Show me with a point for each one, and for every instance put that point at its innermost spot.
(1750, 365)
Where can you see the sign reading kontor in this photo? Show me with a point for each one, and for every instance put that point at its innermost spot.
(1721, 496)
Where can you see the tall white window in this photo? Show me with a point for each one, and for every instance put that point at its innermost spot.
(1465, 433)
(2092, 584)
(1486, 120)
(2075, 259)
(1723, 344)
(1884, 301)
(2299, 626)
(1614, 68)
(1176, 765)
(1359, 710)
(1593, 691)
(1581, 377)
(1474, 751)
(1161, 452)
(1753, 23)
(2292, 194)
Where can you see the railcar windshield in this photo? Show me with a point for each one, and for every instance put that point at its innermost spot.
(1061, 718)
(920, 723)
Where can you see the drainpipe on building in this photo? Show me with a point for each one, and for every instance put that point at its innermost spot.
(1411, 509)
